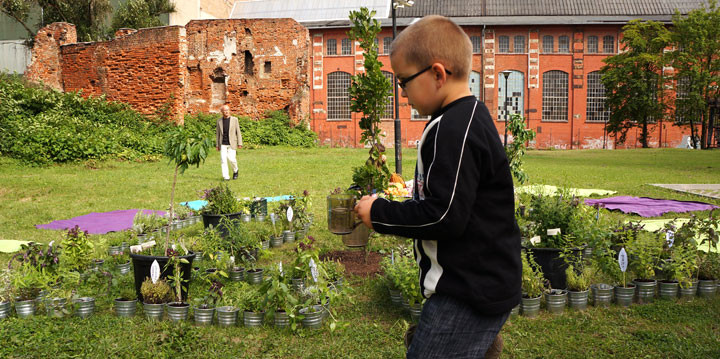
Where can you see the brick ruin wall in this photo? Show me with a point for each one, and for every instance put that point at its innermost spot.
(253, 65)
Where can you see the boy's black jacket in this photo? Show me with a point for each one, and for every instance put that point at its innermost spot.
(466, 239)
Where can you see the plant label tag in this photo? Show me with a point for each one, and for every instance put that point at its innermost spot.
(136, 248)
(290, 214)
(392, 256)
(174, 247)
(623, 260)
(155, 271)
(535, 240)
(313, 270)
(280, 268)
(670, 238)
(273, 218)
(553, 231)
(51, 243)
(232, 260)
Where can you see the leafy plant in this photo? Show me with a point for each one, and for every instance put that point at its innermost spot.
(155, 293)
(176, 278)
(563, 212)
(644, 254)
(533, 282)
(123, 287)
(516, 150)
(76, 250)
(5, 285)
(578, 281)
(221, 200)
(144, 223)
(248, 297)
(332, 270)
(278, 292)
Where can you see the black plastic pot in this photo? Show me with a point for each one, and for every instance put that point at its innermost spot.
(142, 264)
(553, 267)
(214, 220)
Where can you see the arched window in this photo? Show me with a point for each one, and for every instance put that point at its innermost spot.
(548, 44)
(476, 44)
(331, 47)
(503, 44)
(519, 44)
(596, 111)
(564, 44)
(592, 45)
(390, 105)
(609, 44)
(338, 99)
(555, 96)
(515, 90)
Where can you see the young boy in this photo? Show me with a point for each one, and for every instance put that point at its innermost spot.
(461, 217)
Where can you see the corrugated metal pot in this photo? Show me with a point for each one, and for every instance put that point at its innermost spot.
(237, 274)
(556, 301)
(124, 268)
(690, 292)
(203, 316)
(312, 316)
(254, 276)
(415, 311)
(395, 296)
(624, 295)
(282, 320)
(84, 307)
(530, 306)
(645, 290)
(114, 250)
(602, 294)
(707, 288)
(298, 284)
(4, 309)
(227, 316)
(154, 311)
(25, 308)
(178, 311)
(288, 236)
(668, 289)
(276, 241)
(125, 308)
(265, 245)
(55, 307)
(253, 319)
(578, 300)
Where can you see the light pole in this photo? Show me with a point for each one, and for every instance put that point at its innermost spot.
(398, 128)
(506, 74)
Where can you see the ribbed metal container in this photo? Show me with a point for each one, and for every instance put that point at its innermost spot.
(707, 288)
(336, 285)
(198, 256)
(25, 308)
(312, 317)
(668, 290)
(690, 292)
(84, 307)
(227, 316)
(254, 277)
(55, 307)
(178, 311)
(515, 310)
(578, 300)
(645, 291)
(556, 301)
(4, 310)
(530, 306)
(245, 217)
(395, 296)
(253, 319)
(282, 320)
(276, 241)
(602, 294)
(415, 311)
(237, 275)
(624, 295)
(260, 217)
(114, 250)
(288, 236)
(298, 284)
(404, 303)
(125, 247)
(124, 268)
(265, 245)
(153, 311)
(203, 316)
(125, 308)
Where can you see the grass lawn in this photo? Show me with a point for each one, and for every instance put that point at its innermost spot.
(32, 195)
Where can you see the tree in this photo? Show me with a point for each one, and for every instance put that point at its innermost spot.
(516, 149)
(696, 60)
(88, 16)
(19, 10)
(138, 14)
(634, 81)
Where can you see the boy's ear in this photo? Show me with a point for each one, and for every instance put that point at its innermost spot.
(438, 70)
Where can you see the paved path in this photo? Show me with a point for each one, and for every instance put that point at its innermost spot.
(706, 190)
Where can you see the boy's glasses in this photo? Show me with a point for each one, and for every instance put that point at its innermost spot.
(402, 83)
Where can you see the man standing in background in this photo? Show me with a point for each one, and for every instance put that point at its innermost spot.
(228, 139)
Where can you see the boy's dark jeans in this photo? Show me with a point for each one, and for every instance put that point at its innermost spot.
(450, 328)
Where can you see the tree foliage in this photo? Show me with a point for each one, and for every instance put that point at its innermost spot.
(634, 80)
(137, 14)
(516, 150)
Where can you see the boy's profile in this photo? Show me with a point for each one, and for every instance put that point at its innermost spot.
(461, 216)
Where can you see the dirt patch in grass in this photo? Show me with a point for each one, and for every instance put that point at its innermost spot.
(355, 261)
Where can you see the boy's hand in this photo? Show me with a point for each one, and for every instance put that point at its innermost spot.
(362, 209)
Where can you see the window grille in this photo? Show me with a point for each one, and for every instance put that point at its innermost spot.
(331, 47)
(346, 48)
(592, 45)
(596, 111)
(682, 92)
(555, 96)
(416, 115)
(564, 44)
(504, 44)
(548, 44)
(476, 44)
(387, 42)
(609, 44)
(338, 98)
(519, 44)
(377, 45)
(515, 86)
(390, 105)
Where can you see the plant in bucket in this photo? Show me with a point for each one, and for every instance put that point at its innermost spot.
(177, 309)
(280, 298)
(533, 285)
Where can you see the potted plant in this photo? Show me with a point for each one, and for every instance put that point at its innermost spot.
(177, 308)
(301, 268)
(142, 262)
(533, 285)
(251, 300)
(125, 298)
(301, 208)
(155, 295)
(96, 283)
(279, 299)
(36, 267)
(334, 272)
(146, 224)
(227, 311)
(5, 293)
(244, 206)
(578, 281)
(708, 230)
(182, 216)
(407, 273)
(204, 308)
(119, 262)
(221, 203)
(644, 249)
(115, 245)
(260, 232)
(282, 212)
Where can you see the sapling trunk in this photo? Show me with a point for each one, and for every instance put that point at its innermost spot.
(172, 207)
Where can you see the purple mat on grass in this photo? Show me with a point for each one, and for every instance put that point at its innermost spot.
(649, 207)
(100, 223)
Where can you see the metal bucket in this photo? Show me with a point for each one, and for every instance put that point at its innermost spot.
(25, 308)
(336, 286)
(178, 311)
(707, 288)
(227, 316)
(84, 307)
(668, 289)
(124, 268)
(312, 316)
(530, 306)
(4, 309)
(154, 311)
(253, 319)
(125, 308)
(254, 277)
(114, 250)
(395, 296)
(265, 245)
(237, 275)
(260, 217)
(125, 247)
(415, 311)
(645, 290)
(276, 241)
(288, 236)
(282, 320)
(204, 316)
(624, 295)
(55, 307)
(198, 256)
(690, 292)
(245, 217)
(578, 300)
(515, 310)
(298, 284)
(556, 301)
(602, 294)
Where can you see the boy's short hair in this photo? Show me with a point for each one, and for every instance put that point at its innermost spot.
(435, 38)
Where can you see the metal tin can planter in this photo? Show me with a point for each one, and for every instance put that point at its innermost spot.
(288, 236)
(260, 217)
(265, 245)
(125, 247)
(530, 306)
(336, 285)
(245, 217)
(125, 308)
(312, 316)
(624, 295)
(227, 316)
(153, 311)
(25, 308)
(178, 311)
(4, 309)
(276, 241)
(668, 289)
(689, 292)
(253, 319)
(415, 311)
(124, 268)
(114, 250)
(97, 264)
(237, 274)
(556, 301)
(395, 296)
(254, 276)
(198, 256)
(602, 294)
(84, 307)
(203, 316)
(298, 284)
(645, 290)
(707, 288)
(578, 300)
(515, 310)
(282, 319)
(55, 307)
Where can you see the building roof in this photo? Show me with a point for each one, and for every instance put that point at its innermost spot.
(308, 10)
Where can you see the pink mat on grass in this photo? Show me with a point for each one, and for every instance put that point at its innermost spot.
(100, 223)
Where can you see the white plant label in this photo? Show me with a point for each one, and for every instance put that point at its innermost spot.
(553, 231)
(136, 248)
(155, 271)
(232, 260)
(670, 238)
(313, 270)
(392, 256)
(290, 214)
(280, 268)
(623, 260)
(273, 218)
(535, 240)
(51, 243)
(174, 247)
